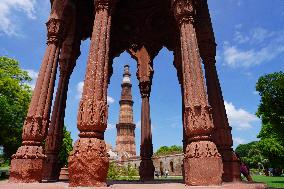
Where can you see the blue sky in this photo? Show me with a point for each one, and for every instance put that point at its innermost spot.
(250, 38)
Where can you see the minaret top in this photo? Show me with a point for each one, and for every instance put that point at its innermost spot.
(126, 75)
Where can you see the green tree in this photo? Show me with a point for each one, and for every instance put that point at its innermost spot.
(271, 112)
(15, 96)
(271, 108)
(66, 147)
(243, 149)
(164, 150)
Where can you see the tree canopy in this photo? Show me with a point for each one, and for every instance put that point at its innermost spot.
(271, 108)
(271, 112)
(15, 96)
(164, 150)
(269, 151)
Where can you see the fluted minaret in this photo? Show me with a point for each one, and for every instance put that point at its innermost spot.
(125, 140)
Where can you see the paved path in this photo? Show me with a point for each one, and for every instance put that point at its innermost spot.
(129, 185)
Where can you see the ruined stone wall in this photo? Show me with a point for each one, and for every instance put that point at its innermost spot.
(172, 163)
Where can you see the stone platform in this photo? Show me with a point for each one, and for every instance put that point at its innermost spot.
(132, 185)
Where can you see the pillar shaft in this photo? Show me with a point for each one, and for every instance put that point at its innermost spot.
(69, 53)
(88, 162)
(222, 134)
(144, 75)
(202, 162)
(26, 164)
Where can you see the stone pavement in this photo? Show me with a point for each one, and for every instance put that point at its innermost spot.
(130, 185)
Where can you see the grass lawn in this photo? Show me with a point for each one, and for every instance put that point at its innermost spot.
(275, 182)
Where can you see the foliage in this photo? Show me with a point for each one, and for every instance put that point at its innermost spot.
(164, 150)
(275, 182)
(15, 96)
(117, 172)
(270, 110)
(66, 147)
(243, 149)
(113, 172)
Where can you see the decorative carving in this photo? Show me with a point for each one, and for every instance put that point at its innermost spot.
(201, 149)
(88, 163)
(34, 130)
(198, 121)
(101, 5)
(184, 10)
(92, 115)
(55, 31)
(29, 152)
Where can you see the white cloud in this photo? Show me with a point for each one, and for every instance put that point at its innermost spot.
(238, 117)
(80, 85)
(138, 124)
(236, 57)
(238, 140)
(8, 20)
(33, 74)
(253, 48)
(79, 88)
(110, 100)
(110, 126)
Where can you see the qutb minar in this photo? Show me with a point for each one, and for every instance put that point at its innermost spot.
(125, 139)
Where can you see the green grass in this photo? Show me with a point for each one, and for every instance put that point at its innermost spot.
(275, 182)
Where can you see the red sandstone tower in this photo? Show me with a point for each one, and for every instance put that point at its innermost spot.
(125, 139)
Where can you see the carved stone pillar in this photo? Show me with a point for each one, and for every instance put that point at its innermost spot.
(69, 54)
(26, 164)
(144, 75)
(88, 162)
(222, 135)
(146, 169)
(202, 162)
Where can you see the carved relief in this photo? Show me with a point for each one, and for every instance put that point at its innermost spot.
(201, 149)
(198, 120)
(55, 30)
(183, 10)
(88, 163)
(101, 5)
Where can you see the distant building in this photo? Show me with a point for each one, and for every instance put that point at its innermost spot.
(125, 139)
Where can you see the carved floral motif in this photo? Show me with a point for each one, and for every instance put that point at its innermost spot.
(183, 10)
(198, 120)
(201, 149)
(55, 30)
(29, 152)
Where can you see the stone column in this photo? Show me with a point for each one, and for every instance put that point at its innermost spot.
(202, 162)
(54, 138)
(146, 169)
(222, 135)
(144, 75)
(88, 162)
(26, 164)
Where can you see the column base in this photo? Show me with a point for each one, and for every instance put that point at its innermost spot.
(88, 163)
(231, 166)
(51, 167)
(202, 164)
(26, 165)
(146, 170)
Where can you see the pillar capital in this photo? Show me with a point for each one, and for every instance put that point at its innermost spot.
(104, 5)
(55, 31)
(145, 88)
(183, 10)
